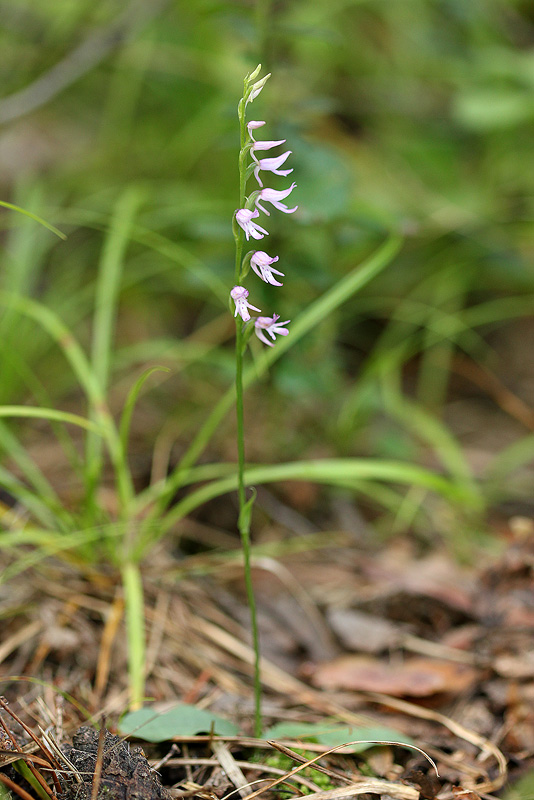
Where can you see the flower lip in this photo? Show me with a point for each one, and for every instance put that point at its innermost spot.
(244, 218)
(267, 145)
(274, 196)
(271, 326)
(239, 295)
(261, 264)
(271, 164)
(253, 125)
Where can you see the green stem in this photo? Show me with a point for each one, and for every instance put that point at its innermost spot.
(240, 412)
(244, 525)
(245, 508)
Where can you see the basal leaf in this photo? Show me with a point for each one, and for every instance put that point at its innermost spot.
(181, 720)
(334, 735)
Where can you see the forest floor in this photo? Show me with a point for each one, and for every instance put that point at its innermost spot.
(376, 643)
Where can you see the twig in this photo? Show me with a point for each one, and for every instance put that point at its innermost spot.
(210, 762)
(485, 745)
(15, 787)
(302, 760)
(229, 766)
(99, 761)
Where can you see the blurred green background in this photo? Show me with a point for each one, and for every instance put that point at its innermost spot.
(413, 116)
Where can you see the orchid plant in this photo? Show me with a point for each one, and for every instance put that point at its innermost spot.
(122, 533)
(246, 228)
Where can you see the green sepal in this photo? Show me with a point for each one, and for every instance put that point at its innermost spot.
(245, 266)
(245, 514)
(236, 230)
(251, 199)
(248, 330)
(250, 170)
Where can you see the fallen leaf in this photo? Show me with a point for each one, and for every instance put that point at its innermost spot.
(436, 576)
(360, 631)
(460, 793)
(515, 666)
(418, 677)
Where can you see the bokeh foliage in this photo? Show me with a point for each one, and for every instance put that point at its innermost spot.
(413, 116)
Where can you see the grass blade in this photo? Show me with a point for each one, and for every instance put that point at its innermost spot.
(106, 300)
(51, 414)
(312, 316)
(135, 627)
(343, 472)
(83, 371)
(29, 501)
(29, 214)
(27, 466)
(133, 394)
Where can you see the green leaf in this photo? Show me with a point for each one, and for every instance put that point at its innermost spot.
(181, 720)
(335, 735)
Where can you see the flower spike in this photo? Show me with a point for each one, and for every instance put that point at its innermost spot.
(261, 264)
(244, 218)
(239, 295)
(265, 328)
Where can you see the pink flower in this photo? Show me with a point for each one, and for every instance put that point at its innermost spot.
(271, 326)
(244, 218)
(253, 125)
(268, 145)
(274, 197)
(271, 164)
(239, 295)
(265, 146)
(261, 264)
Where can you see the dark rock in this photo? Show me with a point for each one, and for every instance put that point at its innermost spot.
(126, 774)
